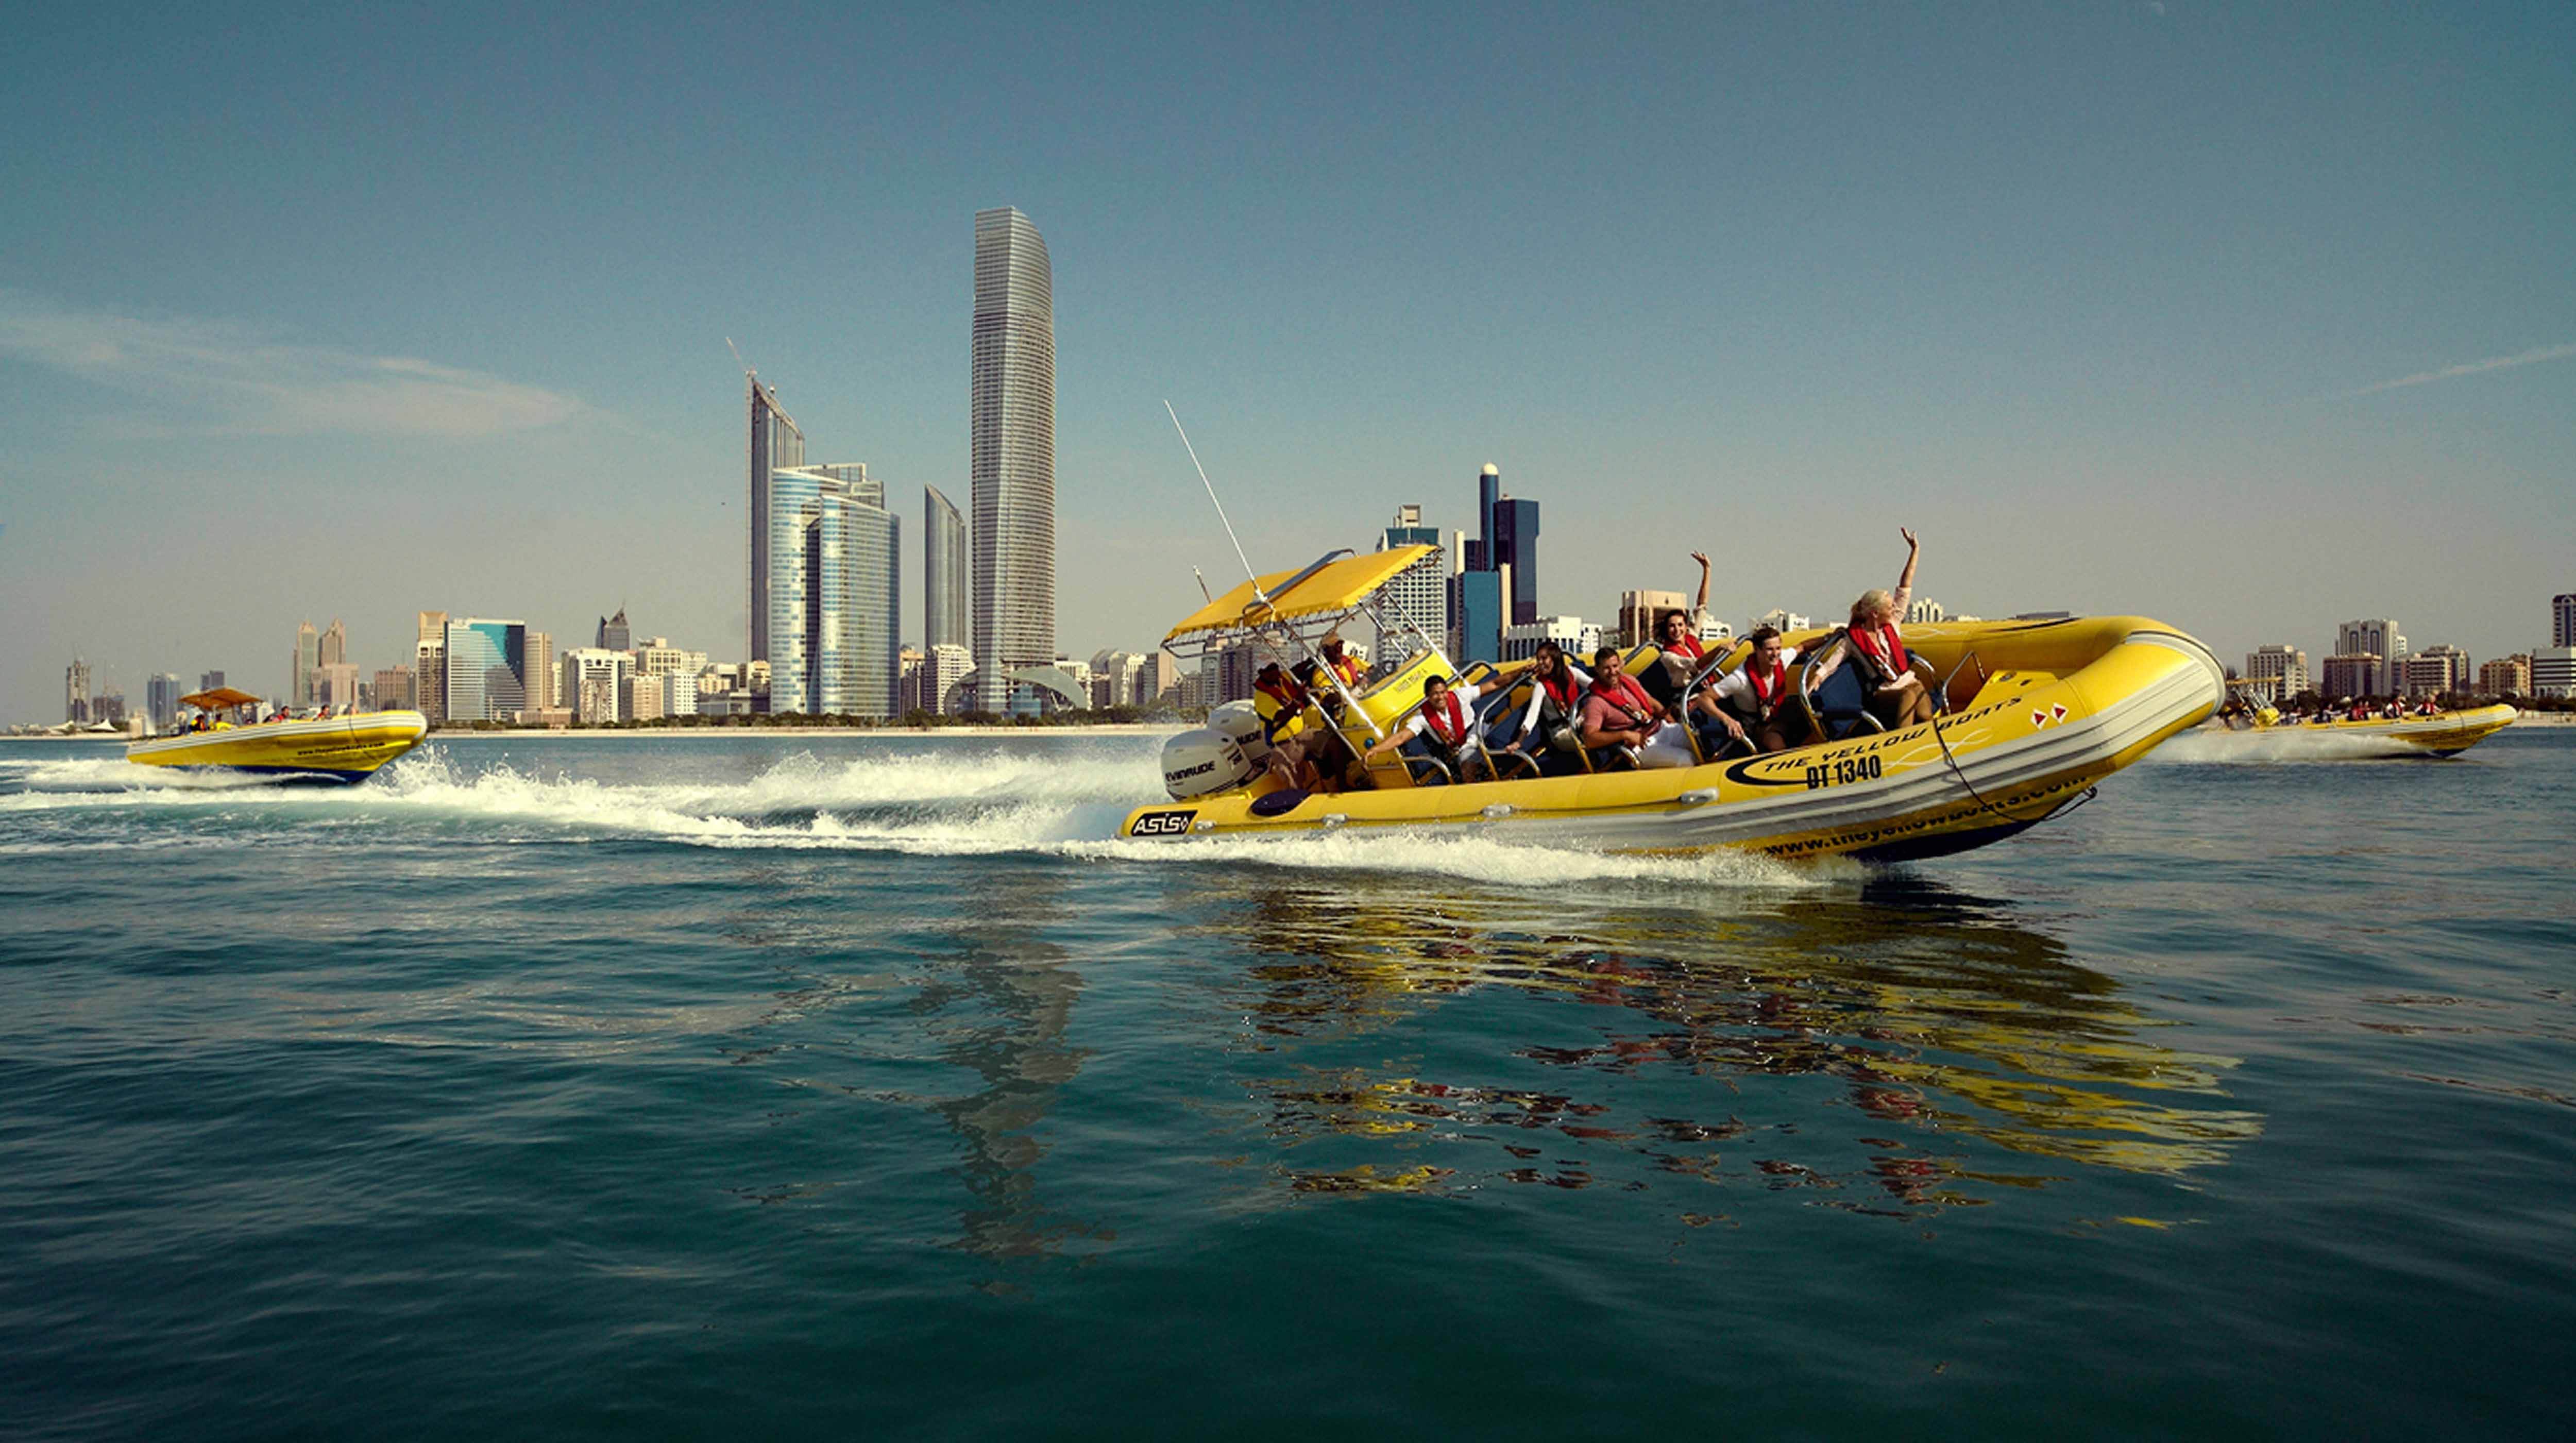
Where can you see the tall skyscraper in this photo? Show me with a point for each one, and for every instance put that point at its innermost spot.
(486, 668)
(1515, 550)
(209, 680)
(1499, 587)
(614, 633)
(334, 646)
(2562, 619)
(945, 562)
(539, 670)
(1012, 455)
(1420, 592)
(835, 592)
(429, 667)
(76, 691)
(161, 699)
(308, 645)
(776, 445)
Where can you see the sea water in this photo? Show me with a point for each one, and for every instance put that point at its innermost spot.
(767, 1086)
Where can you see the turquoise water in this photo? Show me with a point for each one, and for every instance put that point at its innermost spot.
(685, 1086)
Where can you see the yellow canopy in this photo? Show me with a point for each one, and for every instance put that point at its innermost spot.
(1337, 587)
(220, 697)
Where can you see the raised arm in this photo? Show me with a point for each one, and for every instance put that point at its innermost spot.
(1905, 581)
(1700, 607)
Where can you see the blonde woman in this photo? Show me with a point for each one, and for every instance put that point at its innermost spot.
(1902, 692)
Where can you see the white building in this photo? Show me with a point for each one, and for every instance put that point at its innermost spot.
(2283, 665)
(1575, 638)
(1780, 621)
(590, 682)
(2436, 670)
(1925, 611)
(2553, 672)
(942, 667)
(2379, 638)
(1420, 592)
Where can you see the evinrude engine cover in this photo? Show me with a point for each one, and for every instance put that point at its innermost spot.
(1241, 721)
(1197, 763)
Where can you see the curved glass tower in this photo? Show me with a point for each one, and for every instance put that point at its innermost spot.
(1013, 456)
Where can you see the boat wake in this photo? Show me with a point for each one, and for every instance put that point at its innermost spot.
(941, 804)
(2203, 746)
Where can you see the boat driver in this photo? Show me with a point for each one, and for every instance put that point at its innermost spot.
(1348, 668)
(1445, 725)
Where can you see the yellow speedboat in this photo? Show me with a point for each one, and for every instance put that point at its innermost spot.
(346, 748)
(2443, 734)
(2035, 712)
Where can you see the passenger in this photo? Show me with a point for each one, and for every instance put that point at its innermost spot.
(1326, 749)
(1445, 725)
(1348, 668)
(1281, 703)
(1547, 726)
(1756, 697)
(1903, 694)
(1618, 716)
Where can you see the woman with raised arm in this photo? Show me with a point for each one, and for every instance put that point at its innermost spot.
(1902, 691)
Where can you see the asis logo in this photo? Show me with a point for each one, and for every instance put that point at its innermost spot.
(2055, 713)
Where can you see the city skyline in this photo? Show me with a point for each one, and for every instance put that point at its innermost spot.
(2178, 313)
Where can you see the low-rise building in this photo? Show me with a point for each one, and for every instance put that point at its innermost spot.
(2553, 672)
(2353, 673)
(1572, 635)
(2437, 670)
(2506, 676)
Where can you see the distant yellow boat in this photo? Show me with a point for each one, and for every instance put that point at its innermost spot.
(345, 748)
(2443, 734)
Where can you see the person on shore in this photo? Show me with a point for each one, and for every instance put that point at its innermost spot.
(1901, 694)
(1444, 726)
(1547, 725)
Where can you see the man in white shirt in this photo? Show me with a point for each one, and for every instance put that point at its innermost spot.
(1755, 700)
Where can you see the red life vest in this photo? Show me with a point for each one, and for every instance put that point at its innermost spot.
(1447, 722)
(1348, 669)
(1766, 695)
(1561, 690)
(1881, 644)
(1689, 647)
(1621, 690)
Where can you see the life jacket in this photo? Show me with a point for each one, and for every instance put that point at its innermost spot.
(1348, 669)
(1282, 708)
(1767, 695)
(1621, 690)
(1562, 692)
(1689, 647)
(1884, 648)
(1447, 722)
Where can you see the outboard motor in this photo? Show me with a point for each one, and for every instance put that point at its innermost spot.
(1242, 721)
(1204, 761)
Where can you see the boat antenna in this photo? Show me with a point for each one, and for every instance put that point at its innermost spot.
(1201, 579)
(1257, 592)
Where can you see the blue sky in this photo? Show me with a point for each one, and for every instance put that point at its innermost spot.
(2250, 318)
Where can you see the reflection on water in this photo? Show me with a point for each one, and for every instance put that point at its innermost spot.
(1002, 1008)
(1938, 1016)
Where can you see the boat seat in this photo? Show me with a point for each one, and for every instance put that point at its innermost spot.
(1841, 703)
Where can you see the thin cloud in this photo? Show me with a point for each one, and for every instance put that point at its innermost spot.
(2471, 368)
(234, 379)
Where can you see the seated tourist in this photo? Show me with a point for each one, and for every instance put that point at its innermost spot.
(1444, 726)
(1348, 668)
(1901, 692)
(1618, 716)
(1281, 704)
(1547, 725)
(1756, 697)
